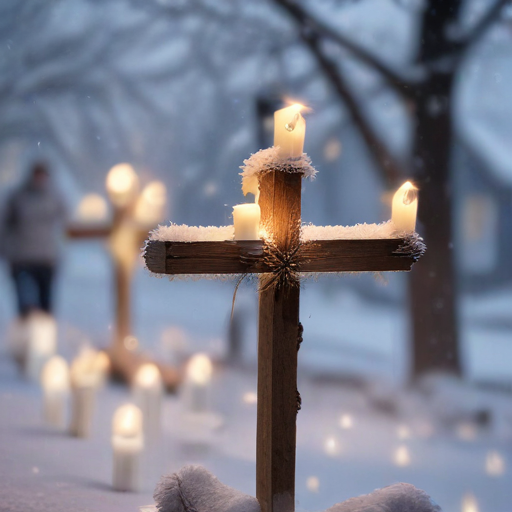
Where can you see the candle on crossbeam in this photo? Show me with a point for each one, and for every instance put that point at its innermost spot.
(87, 375)
(150, 207)
(147, 393)
(196, 387)
(55, 384)
(246, 218)
(289, 131)
(404, 207)
(41, 332)
(127, 446)
(92, 208)
(122, 184)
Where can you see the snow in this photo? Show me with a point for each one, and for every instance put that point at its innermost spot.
(359, 231)
(185, 233)
(267, 160)
(309, 232)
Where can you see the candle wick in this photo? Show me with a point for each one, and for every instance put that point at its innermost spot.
(291, 125)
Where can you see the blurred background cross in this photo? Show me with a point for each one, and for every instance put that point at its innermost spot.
(135, 213)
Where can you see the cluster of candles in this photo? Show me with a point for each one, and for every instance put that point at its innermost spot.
(133, 424)
(289, 133)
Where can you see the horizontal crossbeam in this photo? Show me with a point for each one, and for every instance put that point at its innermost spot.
(247, 257)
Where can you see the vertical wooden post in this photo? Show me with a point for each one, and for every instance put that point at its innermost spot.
(280, 202)
(124, 258)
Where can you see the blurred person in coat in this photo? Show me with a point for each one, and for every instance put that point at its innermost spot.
(31, 231)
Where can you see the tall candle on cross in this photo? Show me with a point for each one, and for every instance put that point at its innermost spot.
(289, 131)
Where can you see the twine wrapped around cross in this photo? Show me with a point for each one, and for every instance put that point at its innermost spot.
(280, 259)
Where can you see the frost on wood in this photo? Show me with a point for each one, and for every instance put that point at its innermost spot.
(357, 232)
(267, 160)
(195, 489)
(184, 233)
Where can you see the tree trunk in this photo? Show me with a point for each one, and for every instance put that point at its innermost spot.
(433, 289)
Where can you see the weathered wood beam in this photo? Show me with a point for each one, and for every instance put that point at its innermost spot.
(237, 257)
(77, 231)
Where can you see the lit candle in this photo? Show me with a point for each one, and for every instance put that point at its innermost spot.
(147, 392)
(150, 207)
(55, 383)
(246, 218)
(122, 184)
(127, 446)
(196, 387)
(404, 207)
(289, 131)
(41, 343)
(92, 208)
(87, 375)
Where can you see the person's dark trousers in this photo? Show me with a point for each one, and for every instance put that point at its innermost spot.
(33, 282)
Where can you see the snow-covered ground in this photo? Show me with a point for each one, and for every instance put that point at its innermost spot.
(347, 445)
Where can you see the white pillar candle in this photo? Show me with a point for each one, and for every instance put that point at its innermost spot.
(41, 343)
(405, 207)
(196, 386)
(87, 375)
(289, 131)
(246, 218)
(127, 446)
(147, 393)
(55, 383)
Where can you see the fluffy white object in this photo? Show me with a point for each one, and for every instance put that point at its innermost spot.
(267, 160)
(357, 232)
(395, 498)
(194, 489)
(185, 233)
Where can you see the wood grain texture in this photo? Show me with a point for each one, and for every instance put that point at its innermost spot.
(280, 202)
(238, 257)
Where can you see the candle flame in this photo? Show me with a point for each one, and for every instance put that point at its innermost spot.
(55, 374)
(122, 183)
(148, 375)
(127, 421)
(199, 369)
(410, 193)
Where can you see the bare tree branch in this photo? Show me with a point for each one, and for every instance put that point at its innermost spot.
(391, 169)
(481, 27)
(404, 86)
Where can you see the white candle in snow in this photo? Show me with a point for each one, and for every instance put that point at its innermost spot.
(246, 218)
(289, 131)
(147, 392)
(41, 332)
(127, 446)
(196, 387)
(87, 375)
(405, 207)
(55, 383)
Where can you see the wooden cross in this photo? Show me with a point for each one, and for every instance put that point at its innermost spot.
(125, 238)
(279, 329)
